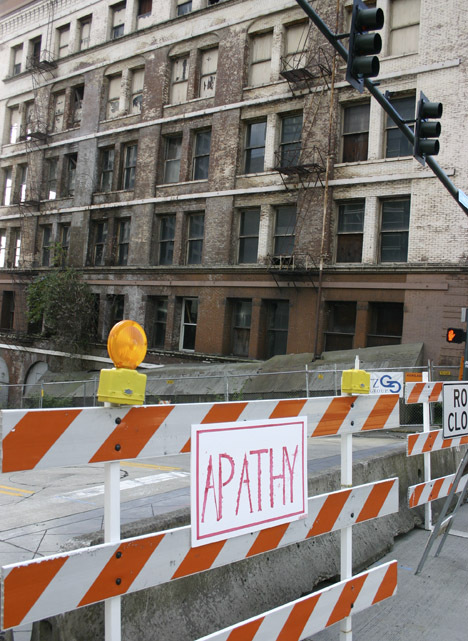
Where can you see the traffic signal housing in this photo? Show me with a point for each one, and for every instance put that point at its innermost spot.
(456, 335)
(427, 130)
(363, 44)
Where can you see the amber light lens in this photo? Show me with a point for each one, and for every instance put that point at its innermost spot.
(127, 344)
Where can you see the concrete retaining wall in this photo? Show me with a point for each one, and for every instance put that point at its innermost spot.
(189, 608)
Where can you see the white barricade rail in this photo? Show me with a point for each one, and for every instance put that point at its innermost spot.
(423, 392)
(44, 587)
(435, 489)
(432, 442)
(34, 439)
(308, 615)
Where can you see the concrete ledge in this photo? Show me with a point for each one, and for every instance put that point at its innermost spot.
(189, 608)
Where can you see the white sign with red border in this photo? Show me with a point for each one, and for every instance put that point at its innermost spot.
(247, 476)
(455, 409)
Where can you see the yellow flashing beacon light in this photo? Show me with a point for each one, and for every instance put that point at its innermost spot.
(123, 385)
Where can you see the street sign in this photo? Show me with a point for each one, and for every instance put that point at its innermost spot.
(455, 402)
(247, 476)
(388, 383)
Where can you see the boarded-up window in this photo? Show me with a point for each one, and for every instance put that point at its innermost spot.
(14, 124)
(260, 62)
(179, 81)
(209, 64)
(118, 20)
(59, 110)
(78, 95)
(138, 79)
(63, 37)
(404, 26)
(295, 45)
(113, 97)
(85, 32)
(356, 132)
(350, 232)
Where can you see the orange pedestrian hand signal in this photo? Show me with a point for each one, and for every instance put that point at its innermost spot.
(456, 335)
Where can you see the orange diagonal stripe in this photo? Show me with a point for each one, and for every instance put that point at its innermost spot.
(375, 501)
(199, 559)
(412, 440)
(436, 489)
(224, 412)
(297, 619)
(415, 393)
(246, 632)
(268, 539)
(389, 584)
(346, 600)
(436, 392)
(334, 416)
(290, 407)
(429, 442)
(329, 512)
(414, 498)
(125, 564)
(378, 417)
(24, 585)
(132, 433)
(33, 436)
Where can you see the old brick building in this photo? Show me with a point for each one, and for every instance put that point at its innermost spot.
(208, 168)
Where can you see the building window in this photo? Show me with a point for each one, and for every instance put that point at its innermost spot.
(179, 80)
(350, 232)
(52, 174)
(260, 59)
(394, 231)
(144, 8)
(23, 183)
(63, 41)
(46, 245)
(123, 240)
(195, 233)
(188, 328)
(277, 314)
(208, 68)
(15, 246)
(138, 78)
(116, 308)
(77, 110)
(156, 321)
(113, 96)
(64, 241)
(107, 169)
(248, 235)
(295, 46)
(16, 60)
(385, 324)
(397, 144)
(130, 158)
(285, 229)
(2, 248)
(71, 173)
(404, 26)
(84, 32)
(14, 125)
(28, 126)
(183, 7)
(241, 321)
(173, 148)
(255, 147)
(118, 20)
(201, 156)
(99, 241)
(59, 110)
(35, 50)
(8, 309)
(7, 186)
(290, 145)
(356, 132)
(341, 326)
(166, 240)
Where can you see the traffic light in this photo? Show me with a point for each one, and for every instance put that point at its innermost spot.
(363, 45)
(456, 335)
(426, 131)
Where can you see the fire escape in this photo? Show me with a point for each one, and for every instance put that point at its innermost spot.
(301, 159)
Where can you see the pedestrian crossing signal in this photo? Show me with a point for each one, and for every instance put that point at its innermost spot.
(456, 335)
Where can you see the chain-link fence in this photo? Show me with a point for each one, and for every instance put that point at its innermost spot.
(227, 386)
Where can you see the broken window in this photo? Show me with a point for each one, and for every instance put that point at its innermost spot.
(138, 78)
(179, 80)
(113, 96)
(208, 67)
(59, 111)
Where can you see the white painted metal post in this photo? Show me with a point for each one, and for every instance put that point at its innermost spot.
(112, 611)
(427, 457)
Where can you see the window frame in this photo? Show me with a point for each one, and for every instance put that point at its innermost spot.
(100, 231)
(186, 324)
(359, 151)
(117, 30)
(106, 169)
(172, 142)
(207, 81)
(391, 127)
(399, 230)
(245, 239)
(166, 238)
(260, 66)
(241, 323)
(46, 245)
(122, 236)
(284, 237)
(290, 150)
(250, 148)
(180, 69)
(130, 155)
(201, 156)
(345, 236)
(195, 238)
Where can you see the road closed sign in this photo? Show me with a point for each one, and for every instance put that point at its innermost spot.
(247, 476)
(455, 400)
